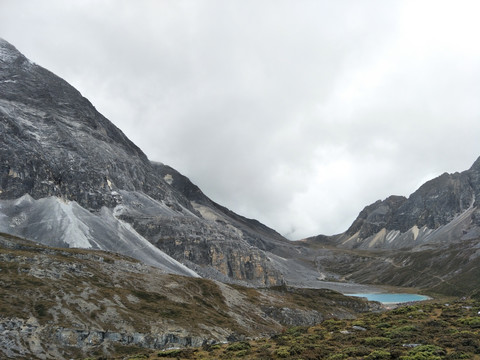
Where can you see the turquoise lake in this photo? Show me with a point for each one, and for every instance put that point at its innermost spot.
(392, 298)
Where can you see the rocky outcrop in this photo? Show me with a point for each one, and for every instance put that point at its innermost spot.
(20, 338)
(213, 250)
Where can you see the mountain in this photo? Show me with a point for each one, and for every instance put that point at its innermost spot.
(441, 211)
(70, 178)
(430, 240)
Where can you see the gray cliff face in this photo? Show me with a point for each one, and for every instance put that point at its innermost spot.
(256, 233)
(88, 183)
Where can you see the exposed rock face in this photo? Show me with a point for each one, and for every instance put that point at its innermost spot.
(443, 210)
(255, 232)
(54, 142)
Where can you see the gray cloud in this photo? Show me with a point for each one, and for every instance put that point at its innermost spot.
(297, 113)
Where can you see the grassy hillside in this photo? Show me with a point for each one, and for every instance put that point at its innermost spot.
(451, 270)
(430, 331)
(72, 303)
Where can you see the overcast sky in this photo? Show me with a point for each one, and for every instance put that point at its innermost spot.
(296, 113)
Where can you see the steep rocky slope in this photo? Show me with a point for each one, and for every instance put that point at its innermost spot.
(74, 163)
(72, 303)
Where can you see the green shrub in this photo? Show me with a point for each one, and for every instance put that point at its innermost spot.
(404, 310)
(283, 352)
(169, 353)
(238, 346)
(211, 347)
(138, 357)
(377, 341)
(383, 325)
(378, 355)
(333, 325)
(297, 330)
(337, 357)
(473, 322)
(401, 331)
(356, 351)
(425, 352)
(41, 310)
(458, 355)
(241, 353)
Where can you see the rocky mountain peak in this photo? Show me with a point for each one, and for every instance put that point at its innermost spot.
(54, 142)
(442, 210)
(8, 52)
(89, 186)
(476, 165)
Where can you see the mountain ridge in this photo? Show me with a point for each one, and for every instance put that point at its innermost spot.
(54, 143)
(447, 204)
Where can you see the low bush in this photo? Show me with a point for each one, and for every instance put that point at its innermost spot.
(238, 346)
(283, 352)
(378, 355)
(425, 352)
(377, 341)
(473, 322)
